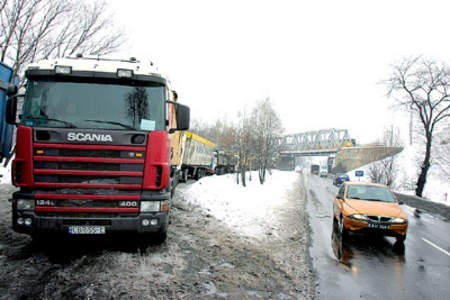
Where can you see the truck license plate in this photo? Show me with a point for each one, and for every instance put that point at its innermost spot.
(86, 229)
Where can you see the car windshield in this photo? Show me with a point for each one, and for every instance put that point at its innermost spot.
(98, 105)
(370, 193)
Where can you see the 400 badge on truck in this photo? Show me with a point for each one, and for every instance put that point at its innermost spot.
(93, 148)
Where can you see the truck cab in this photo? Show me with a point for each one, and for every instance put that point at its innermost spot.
(93, 148)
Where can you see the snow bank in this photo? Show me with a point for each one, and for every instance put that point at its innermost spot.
(252, 209)
(5, 173)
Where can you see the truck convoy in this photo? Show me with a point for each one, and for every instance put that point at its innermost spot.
(197, 158)
(93, 148)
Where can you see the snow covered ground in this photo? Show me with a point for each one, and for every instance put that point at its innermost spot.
(5, 173)
(251, 210)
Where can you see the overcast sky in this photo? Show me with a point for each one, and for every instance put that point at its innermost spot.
(320, 62)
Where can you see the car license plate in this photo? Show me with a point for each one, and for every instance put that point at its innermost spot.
(86, 229)
(378, 226)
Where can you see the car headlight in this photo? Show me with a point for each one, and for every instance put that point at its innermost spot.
(398, 220)
(150, 206)
(359, 217)
(25, 204)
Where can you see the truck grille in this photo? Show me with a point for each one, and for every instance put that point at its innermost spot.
(87, 179)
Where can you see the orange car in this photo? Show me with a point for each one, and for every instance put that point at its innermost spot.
(369, 208)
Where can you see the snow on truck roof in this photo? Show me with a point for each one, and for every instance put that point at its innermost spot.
(98, 64)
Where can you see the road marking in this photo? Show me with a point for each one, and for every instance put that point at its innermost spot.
(436, 246)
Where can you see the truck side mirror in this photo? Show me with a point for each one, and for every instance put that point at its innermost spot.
(11, 110)
(183, 116)
(11, 90)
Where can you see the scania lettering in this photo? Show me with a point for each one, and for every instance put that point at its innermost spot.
(93, 148)
(82, 137)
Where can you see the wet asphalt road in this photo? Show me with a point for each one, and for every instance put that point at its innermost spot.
(377, 268)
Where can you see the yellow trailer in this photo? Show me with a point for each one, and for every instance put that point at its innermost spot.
(197, 156)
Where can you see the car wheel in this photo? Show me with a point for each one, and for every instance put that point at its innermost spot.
(335, 223)
(401, 239)
(342, 229)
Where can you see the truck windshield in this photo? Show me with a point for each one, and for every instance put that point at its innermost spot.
(99, 105)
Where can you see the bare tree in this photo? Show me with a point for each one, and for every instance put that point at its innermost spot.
(267, 129)
(384, 171)
(421, 86)
(222, 133)
(36, 29)
(244, 140)
(137, 104)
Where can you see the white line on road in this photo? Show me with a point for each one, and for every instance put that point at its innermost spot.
(436, 246)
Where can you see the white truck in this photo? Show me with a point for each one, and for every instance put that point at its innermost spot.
(323, 172)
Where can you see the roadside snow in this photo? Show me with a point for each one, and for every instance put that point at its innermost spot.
(251, 210)
(5, 173)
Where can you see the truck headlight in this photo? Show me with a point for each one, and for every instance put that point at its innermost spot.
(25, 204)
(147, 206)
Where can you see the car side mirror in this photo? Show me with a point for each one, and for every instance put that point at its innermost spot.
(401, 202)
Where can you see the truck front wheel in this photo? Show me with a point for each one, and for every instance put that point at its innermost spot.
(155, 238)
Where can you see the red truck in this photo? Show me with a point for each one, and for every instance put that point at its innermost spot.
(93, 148)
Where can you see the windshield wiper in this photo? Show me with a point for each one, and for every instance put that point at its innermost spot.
(113, 123)
(69, 124)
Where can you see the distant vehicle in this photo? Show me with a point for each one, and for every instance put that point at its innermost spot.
(340, 178)
(225, 162)
(369, 208)
(197, 157)
(315, 169)
(323, 172)
(298, 169)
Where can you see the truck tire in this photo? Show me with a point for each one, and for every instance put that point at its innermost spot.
(159, 237)
(201, 173)
(155, 238)
(196, 174)
(184, 175)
